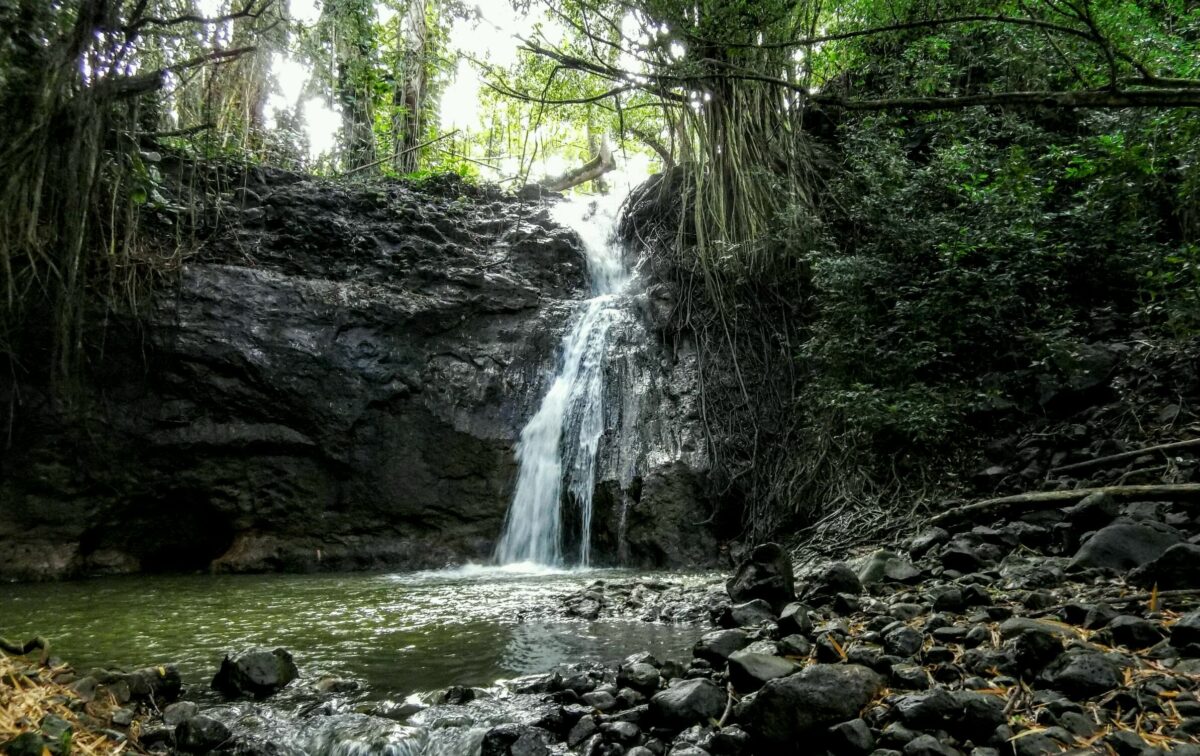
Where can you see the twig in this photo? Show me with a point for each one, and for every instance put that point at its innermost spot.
(401, 152)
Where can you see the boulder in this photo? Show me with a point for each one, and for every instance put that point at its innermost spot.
(1124, 545)
(1186, 631)
(886, 565)
(1178, 568)
(1083, 674)
(766, 574)
(789, 710)
(749, 671)
(830, 580)
(1134, 632)
(255, 673)
(687, 702)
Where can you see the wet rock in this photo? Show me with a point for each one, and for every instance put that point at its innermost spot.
(926, 540)
(927, 711)
(851, 738)
(766, 574)
(1124, 545)
(178, 712)
(256, 673)
(750, 671)
(161, 684)
(727, 741)
(749, 614)
(1083, 673)
(625, 733)
(516, 740)
(794, 619)
(200, 734)
(886, 565)
(585, 728)
(788, 710)
(830, 580)
(600, 700)
(928, 745)
(687, 702)
(1178, 568)
(716, 646)
(639, 675)
(903, 641)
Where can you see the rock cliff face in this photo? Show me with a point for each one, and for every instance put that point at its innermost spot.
(337, 382)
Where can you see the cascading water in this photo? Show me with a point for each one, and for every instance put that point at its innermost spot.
(559, 443)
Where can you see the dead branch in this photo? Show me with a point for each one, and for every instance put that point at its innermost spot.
(1126, 455)
(1051, 499)
(593, 169)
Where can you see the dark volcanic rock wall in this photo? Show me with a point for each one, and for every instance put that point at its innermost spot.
(336, 382)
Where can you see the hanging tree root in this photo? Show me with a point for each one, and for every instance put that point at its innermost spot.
(1051, 499)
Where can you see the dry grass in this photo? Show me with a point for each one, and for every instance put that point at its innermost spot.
(28, 694)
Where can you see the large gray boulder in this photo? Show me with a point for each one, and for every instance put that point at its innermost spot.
(255, 673)
(788, 711)
(1124, 545)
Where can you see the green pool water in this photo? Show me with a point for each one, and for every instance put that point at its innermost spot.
(398, 633)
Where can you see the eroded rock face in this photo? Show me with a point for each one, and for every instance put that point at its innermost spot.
(337, 382)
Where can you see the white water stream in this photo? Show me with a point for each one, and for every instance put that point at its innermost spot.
(559, 443)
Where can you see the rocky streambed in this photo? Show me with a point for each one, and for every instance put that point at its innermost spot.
(1068, 629)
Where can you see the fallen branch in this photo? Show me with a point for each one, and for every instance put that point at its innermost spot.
(1051, 499)
(1121, 457)
(593, 169)
(401, 152)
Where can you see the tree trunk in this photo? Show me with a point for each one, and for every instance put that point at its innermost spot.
(409, 127)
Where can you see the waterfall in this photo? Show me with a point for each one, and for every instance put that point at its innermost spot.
(559, 443)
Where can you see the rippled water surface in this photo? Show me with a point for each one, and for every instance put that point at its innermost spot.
(398, 633)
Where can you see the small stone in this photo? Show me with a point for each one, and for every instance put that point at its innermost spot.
(688, 702)
(928, 745)
(794, 619)
(748, 614)
(719, 644)
(200, 734)
(851, 738)
(122, 717)
(903, 641)
(600, 700)
(178, 712)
